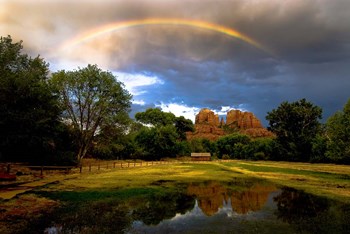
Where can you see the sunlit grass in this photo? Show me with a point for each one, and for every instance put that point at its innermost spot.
(332, 181)
(140, 176)
(134, 184)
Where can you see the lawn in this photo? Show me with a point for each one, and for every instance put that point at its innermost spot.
(328, 180)
(118, 185)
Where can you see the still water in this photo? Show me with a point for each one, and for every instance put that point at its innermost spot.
(209, 207)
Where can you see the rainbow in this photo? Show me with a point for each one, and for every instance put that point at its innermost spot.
(160, 21)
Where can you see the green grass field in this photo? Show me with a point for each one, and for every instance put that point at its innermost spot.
(331, 181)
(118, 185)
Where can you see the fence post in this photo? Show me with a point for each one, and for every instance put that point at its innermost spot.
(121, 165)
(134, 164)
(114, 165)
(128, 164)
(107, 165)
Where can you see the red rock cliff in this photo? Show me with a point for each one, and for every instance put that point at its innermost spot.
(206, 116)
(242, 120)
(208, 125)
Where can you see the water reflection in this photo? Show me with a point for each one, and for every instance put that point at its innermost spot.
(161, 207)
(209, 207)
(214, 195)
(307, 213)
(219, 208)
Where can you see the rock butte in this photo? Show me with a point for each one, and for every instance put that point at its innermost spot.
(209, 126)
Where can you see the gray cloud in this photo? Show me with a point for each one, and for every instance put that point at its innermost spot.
(310, 40)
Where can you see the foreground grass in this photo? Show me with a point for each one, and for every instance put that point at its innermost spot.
(113, 187)
(328, 180)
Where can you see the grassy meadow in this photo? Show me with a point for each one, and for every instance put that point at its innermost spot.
(109, 192)
(328, 180)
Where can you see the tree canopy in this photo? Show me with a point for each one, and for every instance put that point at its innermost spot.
(295, 125)
(155, 117)
(91, 99)
(338, 133)
(163, 138)
(28, 110)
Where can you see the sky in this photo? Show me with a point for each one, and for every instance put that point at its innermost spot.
(184, 55)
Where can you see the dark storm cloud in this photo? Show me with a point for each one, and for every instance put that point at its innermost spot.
(310, 40)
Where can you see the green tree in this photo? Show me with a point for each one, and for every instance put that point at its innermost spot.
(182, 126)
(295, 124)
(156, 143)
(29, 111)
(338, 133)
(202, 145)
(232, 145)
(166, 135)
(155, 117)
(91, 99)
(260, 149)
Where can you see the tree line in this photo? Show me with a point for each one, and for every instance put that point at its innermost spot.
(64, 116)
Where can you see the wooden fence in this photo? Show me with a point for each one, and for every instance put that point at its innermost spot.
(111, 165)
(89, 167)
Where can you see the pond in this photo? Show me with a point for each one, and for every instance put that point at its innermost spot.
(208, 207)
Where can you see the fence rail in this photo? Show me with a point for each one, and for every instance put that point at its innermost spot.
(88, 167)
(111, 165)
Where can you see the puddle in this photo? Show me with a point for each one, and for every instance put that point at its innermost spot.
(210, 207)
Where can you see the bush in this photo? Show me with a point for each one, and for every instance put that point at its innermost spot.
(202, 145)
(232, 145)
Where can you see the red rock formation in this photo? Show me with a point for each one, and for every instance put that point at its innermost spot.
(208, 125)
(242, 120)
(206, 116)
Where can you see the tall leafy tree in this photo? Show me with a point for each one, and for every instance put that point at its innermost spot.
(232, 145)
(91, 99)
(182, 126)
(157, 143)
(165, 136)
(28, 109)
(338, 133)
(155, 117)
(295, 124)
(158, 118)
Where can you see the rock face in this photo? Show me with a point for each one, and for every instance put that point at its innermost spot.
(208, 125)
(242, 120)
(206, 116)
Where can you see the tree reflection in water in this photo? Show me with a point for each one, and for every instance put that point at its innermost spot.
(312, 214)
(203, 207)
(159, 208)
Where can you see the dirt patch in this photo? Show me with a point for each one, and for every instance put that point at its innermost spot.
(17, 213)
